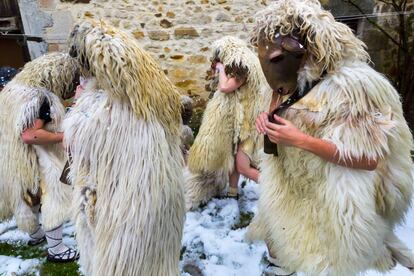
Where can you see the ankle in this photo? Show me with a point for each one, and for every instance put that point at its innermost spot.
(54, 239)
(232, 191)
(38, 233)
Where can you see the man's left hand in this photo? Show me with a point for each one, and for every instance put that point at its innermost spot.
(285, 133)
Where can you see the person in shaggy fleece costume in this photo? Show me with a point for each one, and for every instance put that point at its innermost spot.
(123, 135)
(32, 158)
(227, 132)
(342, 180)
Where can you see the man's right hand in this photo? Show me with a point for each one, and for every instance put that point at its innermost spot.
(79, 91)
(219, 67)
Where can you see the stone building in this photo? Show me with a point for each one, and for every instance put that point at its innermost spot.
(178, 33)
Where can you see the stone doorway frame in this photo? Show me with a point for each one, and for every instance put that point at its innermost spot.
(14, 51)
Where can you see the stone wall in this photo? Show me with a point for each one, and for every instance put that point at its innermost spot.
(178, 33)
(35, 20)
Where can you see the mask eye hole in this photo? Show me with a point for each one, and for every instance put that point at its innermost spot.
(292, 45)
(289, 43)
(277, 58)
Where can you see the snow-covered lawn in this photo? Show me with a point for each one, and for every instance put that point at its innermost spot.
(226, 253)
(213, 240)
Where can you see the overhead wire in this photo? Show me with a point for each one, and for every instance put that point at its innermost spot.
(230, 26)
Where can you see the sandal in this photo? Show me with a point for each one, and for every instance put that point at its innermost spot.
(37, 237)
(232, 196)
(233, 193)
(34, 242)
(273, 269)
(69, 255)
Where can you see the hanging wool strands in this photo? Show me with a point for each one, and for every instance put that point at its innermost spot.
(332, 212)
(124, 138)
(228, 120)
(31, 172)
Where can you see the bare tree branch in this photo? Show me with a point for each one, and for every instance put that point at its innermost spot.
(403, 73)
(385, 2)
(397, 6)
(404, 5)
(373, 22)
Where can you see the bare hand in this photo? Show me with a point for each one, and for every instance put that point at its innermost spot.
(261, 122)
(219, 67)
(79, 91)
(284, 133)
(81, 87)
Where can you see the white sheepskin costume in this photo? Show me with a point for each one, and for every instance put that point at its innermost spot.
(124, 138)
(228, 120)
(318, 217)
(24, 169)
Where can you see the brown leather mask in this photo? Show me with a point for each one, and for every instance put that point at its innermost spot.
(281, 59)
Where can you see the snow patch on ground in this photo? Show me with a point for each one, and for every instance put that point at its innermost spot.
(213, 240)
(10, 265)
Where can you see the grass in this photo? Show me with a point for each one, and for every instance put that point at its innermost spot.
(22, 250)
(244, 220)
(31, 252)
(56, 269)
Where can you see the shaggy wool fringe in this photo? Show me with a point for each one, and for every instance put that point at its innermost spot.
(203, 186)
(54, 72)
(119, 51)
(124, 137)
(318, 217)
(187, 136)
(328, 42)
(228, 121)
(325, 219)
(24, 167)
